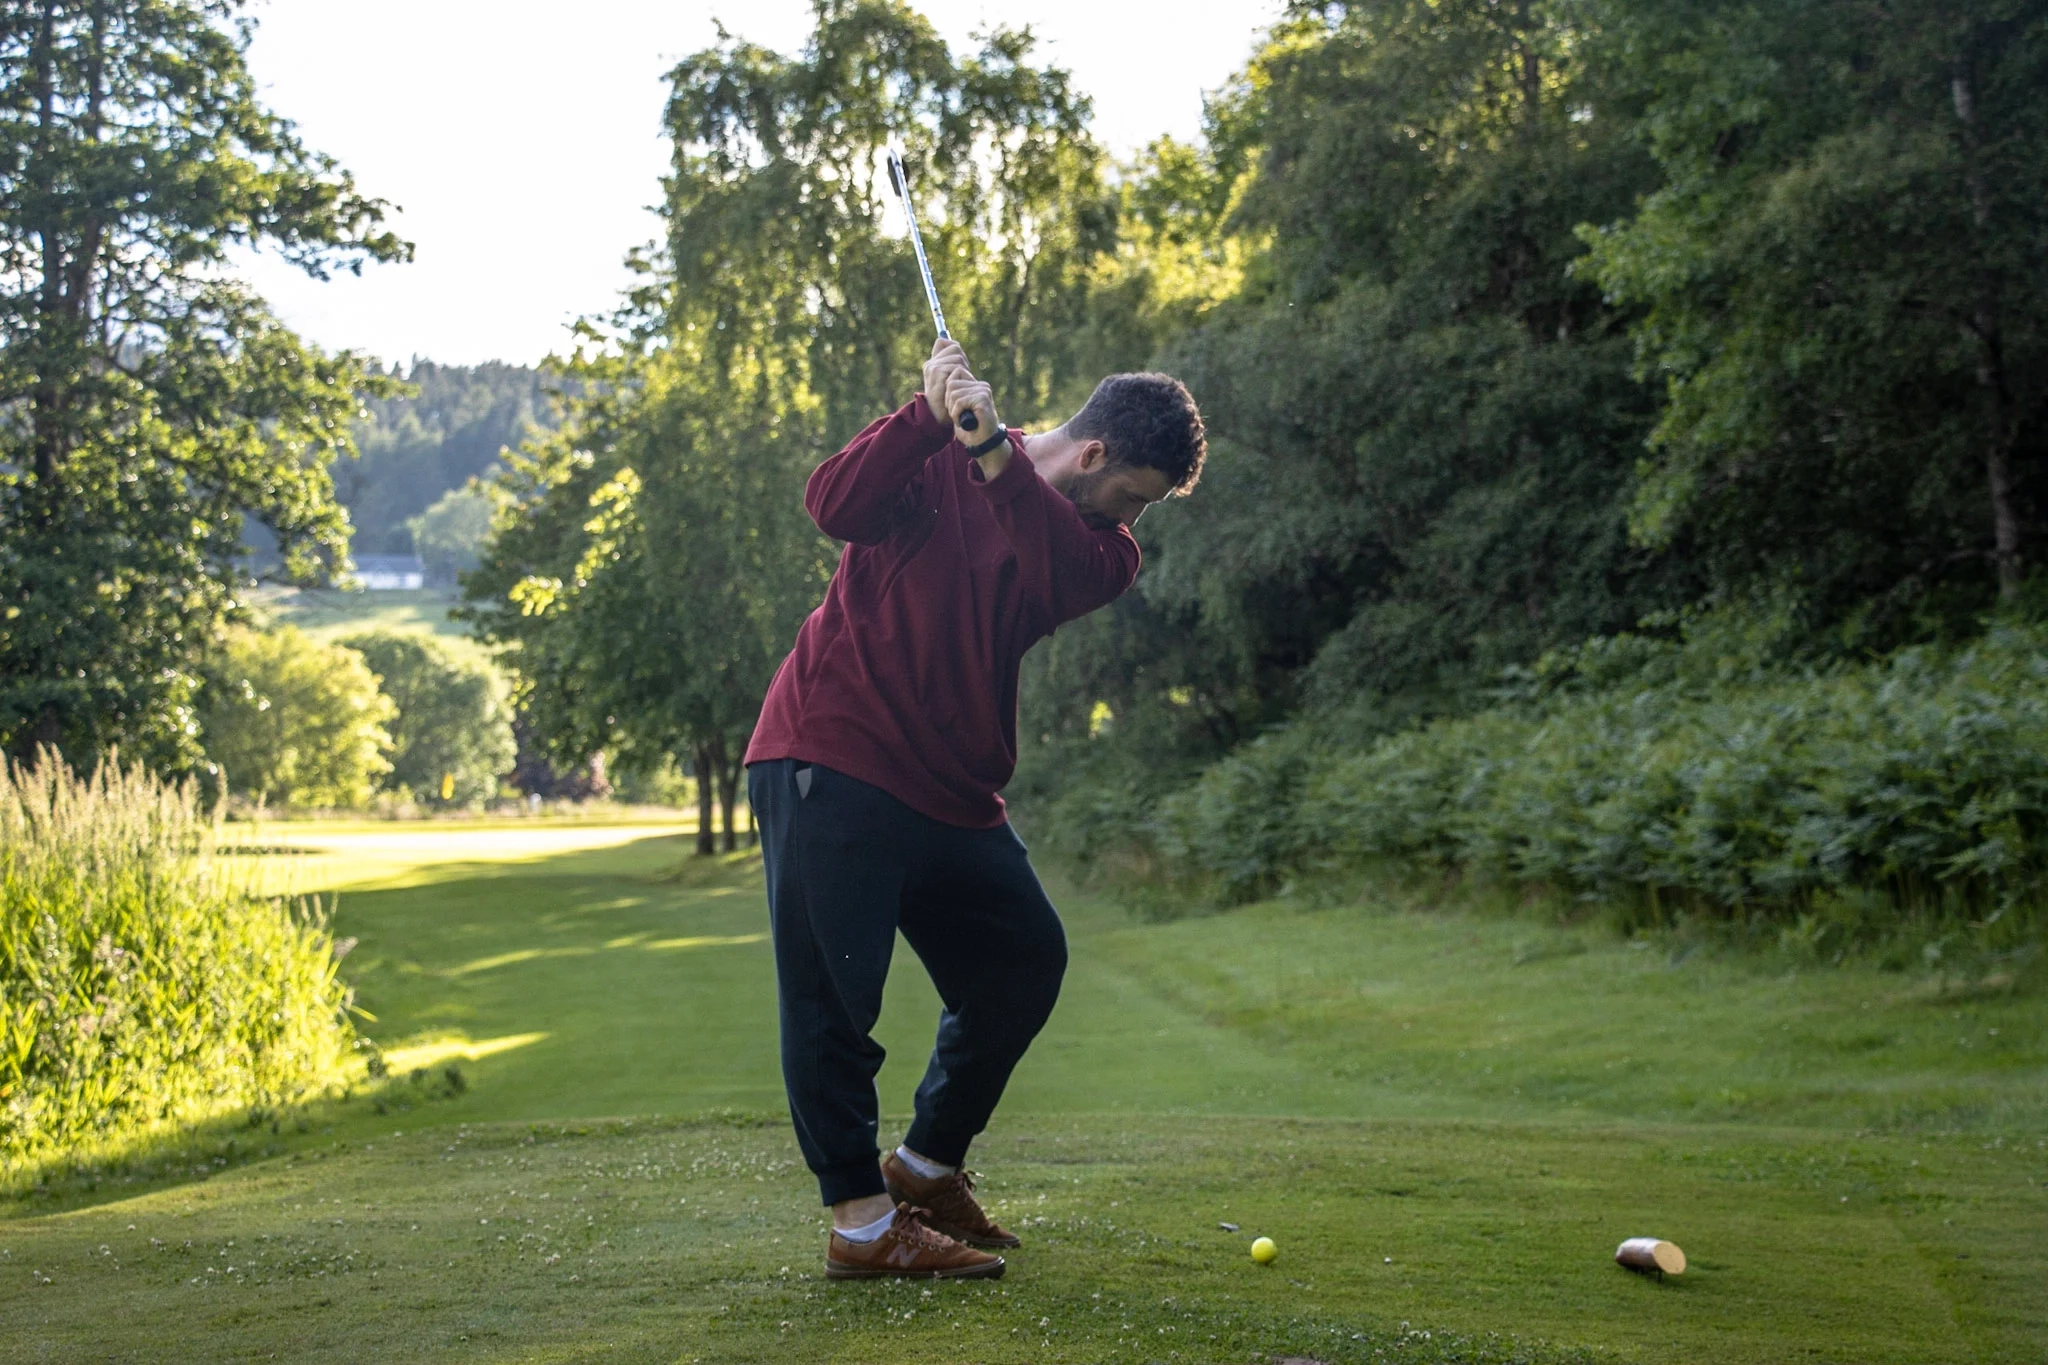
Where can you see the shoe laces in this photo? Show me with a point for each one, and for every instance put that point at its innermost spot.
(955, 1194)
(911, 1226)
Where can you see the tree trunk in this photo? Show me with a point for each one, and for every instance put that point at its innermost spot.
(2001, 422)
(64, 311)
(47, 397)
(728, 797)
(47, 733)
(700, 759)
(78, 282)
(1530, 74)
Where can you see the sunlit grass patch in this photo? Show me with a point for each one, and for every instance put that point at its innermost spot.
(420, 1055)
(704, 941)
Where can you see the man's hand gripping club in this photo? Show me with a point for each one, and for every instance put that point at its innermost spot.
(952, 392)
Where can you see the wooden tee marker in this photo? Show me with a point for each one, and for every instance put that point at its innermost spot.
(1649, 1254)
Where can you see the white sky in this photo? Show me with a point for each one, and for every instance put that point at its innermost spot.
(521, 138)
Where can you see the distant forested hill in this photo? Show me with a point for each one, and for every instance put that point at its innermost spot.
(415, 449)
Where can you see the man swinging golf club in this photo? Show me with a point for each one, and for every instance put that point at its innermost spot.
(875, 767)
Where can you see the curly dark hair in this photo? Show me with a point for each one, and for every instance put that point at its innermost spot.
(1146, 419)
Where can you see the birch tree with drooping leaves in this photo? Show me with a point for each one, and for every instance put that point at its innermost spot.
(653, 562)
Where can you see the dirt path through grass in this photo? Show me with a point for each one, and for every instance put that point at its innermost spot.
(1441, 1120)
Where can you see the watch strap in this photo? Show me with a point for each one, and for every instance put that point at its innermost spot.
(996, 438)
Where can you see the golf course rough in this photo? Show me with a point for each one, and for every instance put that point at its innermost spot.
(1273, 1069)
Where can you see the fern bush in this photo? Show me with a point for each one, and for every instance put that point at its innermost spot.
(138, 985)
(1923, 778)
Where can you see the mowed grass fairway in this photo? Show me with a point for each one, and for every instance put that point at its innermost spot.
(329, 613)
(1446, 1121)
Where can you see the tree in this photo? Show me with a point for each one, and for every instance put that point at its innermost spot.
(653, 563)
(451, 738)
(152, 404)
(449, 536)
(1844, 279)
(1423, 421)
(447, 426)
(293, 720)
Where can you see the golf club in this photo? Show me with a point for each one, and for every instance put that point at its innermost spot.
(899, 181)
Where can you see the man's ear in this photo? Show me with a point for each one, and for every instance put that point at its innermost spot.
(1094, 455)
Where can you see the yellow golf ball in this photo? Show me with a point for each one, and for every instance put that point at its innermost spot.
(1263, 1251)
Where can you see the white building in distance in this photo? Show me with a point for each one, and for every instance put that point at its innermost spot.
(391, 573)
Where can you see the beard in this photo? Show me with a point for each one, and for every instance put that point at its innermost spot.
(1081, 490)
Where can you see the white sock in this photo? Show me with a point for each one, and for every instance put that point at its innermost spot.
(928, 1170)
(871, 1231)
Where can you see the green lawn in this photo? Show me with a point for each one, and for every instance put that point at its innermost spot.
(1446, 1121)
(329, 613)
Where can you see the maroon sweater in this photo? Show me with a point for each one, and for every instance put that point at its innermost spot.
(906, 675)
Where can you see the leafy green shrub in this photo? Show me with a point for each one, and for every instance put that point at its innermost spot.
(1241, 822)
(137, 985)
(658, 784)
(296, 721)
(1923, 778)
(454, 721)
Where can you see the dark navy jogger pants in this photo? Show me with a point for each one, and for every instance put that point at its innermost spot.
(848, 865)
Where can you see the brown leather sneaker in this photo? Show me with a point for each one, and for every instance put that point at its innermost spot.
(910, 1250)
(951, 1201)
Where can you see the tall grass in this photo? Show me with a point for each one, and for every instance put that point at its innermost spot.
(138, 984)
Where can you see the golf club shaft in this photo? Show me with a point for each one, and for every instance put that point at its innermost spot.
(900, 181)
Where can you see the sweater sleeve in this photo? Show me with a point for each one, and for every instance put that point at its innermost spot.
(1068, 565)
(856, 494)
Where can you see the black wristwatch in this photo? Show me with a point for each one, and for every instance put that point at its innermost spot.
(1000, 435)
